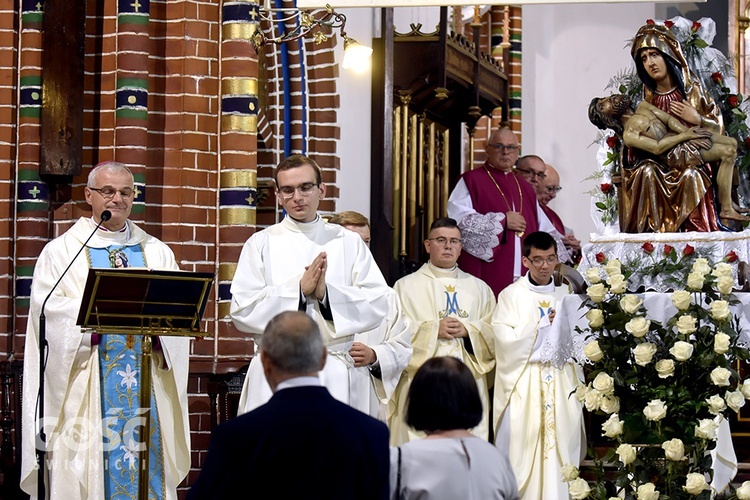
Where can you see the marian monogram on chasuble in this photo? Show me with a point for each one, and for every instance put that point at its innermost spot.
(451, 304)
(120, 380)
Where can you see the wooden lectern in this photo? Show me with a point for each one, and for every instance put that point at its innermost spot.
(145, 303)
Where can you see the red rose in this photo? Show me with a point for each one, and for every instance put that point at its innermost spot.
(650, 22)
(612, 141)
(747, 142)
(696, 26)
(600, 257)
(732, 101)
(716, 77)
(688, 250)
(731, 257)
(647, 247)
(605, 187)
(668, 24)
(668, 249)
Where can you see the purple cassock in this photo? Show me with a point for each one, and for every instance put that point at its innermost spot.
(508, 192)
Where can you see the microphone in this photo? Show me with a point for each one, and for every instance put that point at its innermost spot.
(41, 444)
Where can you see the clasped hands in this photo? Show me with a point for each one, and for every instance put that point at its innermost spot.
(450, 328)
(313, 281)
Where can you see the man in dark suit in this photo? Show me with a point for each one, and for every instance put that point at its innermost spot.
(302, 443)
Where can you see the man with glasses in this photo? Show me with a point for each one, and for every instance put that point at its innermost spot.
(495, 207)
(303, 263)
(536, 421)
(533, 169)
(551, 186)
(94, 380)
(449, 312)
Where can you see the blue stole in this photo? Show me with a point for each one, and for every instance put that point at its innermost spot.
(120, 380)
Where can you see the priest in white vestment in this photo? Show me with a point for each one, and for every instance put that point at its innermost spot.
(380, 355)
(449, 312)
(93, 381)
(303, 263)
(536, 420)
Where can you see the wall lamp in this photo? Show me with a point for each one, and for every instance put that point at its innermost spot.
(356, 55)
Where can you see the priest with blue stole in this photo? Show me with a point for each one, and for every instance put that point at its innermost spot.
(92, 418)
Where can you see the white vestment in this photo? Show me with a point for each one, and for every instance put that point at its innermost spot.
(267, 282)
(391, 340)
(537, 421)
(72, 381)
(427, 296)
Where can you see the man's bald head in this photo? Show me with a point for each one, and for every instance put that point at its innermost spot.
(551, 186)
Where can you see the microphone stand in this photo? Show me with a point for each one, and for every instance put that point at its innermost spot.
(41, 442)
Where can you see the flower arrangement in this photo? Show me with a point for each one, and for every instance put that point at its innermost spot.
(664, 388)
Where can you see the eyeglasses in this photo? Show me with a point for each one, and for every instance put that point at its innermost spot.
(108, 192)
(554, 189)
(538, 261)
(508, 148)
(305, 189)
(442, 241)
(539, 175)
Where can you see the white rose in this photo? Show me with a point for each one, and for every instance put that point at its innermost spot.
(613, 426)
(701, 266)
(638, 326)
(725, 284)
(597, 292)
(745, 388)
(593, 351)
(569, 472)
(706, 429)
(681, 350)
(735, 400)
(593, 400)
(579, 489)
(613, 267)
(595, 317)
(720, 376)
(604, 383)
(609, 404)
(723, 269)
(695, 281)
(581, 393)
(721, 343)
(617, 283)
(681, 299)
(630, 303)
(695, 483)
(743, 492)
(647, 492)
(716, 404)
(626, 453)
(720, 309)
(686, 324)
(674, 450)
(655, 410)
(593, 275)
(644, 353)
(665, 368)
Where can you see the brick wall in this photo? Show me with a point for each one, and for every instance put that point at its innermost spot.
(492, 27)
